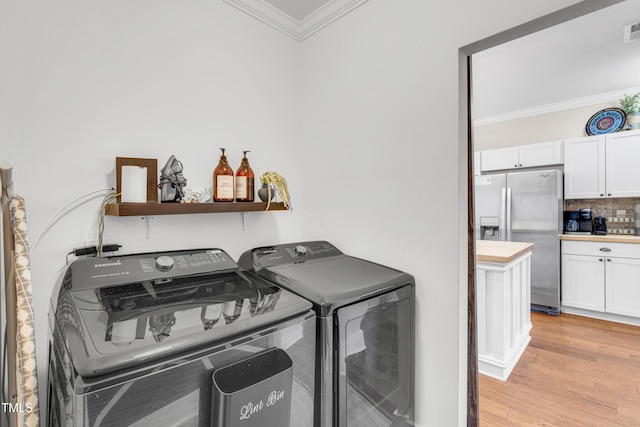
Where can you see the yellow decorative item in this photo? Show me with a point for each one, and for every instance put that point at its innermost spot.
(274, 181)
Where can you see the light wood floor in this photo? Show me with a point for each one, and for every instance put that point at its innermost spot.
(576, 371)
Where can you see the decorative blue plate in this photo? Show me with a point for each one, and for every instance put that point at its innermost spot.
(606, 121)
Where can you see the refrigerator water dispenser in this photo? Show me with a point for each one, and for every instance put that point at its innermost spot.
(489, 228)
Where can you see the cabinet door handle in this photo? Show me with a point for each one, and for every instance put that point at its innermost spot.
(605, 250)
(600, 259)
(601, 195)
(608, 260)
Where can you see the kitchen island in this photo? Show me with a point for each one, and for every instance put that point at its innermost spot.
(503, 301)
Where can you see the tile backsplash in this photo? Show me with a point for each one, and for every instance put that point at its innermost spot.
(620, 215)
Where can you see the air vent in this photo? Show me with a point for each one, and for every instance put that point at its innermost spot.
(632, 32)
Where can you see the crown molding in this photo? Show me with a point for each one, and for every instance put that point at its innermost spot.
(298, 30)
(558, 106)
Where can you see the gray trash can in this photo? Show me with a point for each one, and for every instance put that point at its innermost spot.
(254, 392)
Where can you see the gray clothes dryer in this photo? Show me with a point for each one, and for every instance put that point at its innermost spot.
(182, 338)
(365, 330)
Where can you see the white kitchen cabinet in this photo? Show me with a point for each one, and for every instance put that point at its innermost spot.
(523, 156)
(622, 171)
(499, 158)
(601, 277)
(583, 282)
(602, 166)
(584, 168)
(623, 286)
(542, 154)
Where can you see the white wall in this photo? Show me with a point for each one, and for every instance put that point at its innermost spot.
(361, 118)
(537, 128)
(84, 82)
(382, 160)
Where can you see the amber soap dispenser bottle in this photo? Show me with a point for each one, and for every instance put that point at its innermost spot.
(223, 181)
(245, 181)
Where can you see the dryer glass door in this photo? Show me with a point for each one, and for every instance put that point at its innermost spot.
(375, 359)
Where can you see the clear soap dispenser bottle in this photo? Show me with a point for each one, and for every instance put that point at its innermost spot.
(223, 181)
(245, 181)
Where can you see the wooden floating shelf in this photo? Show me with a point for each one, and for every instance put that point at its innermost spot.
(154, 209)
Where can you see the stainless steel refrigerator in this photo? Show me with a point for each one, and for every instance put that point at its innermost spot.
(526, 207)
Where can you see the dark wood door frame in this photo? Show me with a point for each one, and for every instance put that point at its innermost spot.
(465, 64)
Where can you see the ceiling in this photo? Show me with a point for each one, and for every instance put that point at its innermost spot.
(582, 61)
(298, 9)
(296, 18)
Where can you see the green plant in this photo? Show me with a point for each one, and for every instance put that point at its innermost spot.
(631, 103)
(275, 181)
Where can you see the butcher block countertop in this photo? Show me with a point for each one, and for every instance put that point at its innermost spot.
(611, 238)
(503, 252)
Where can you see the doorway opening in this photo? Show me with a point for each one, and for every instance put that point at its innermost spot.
(466, 164)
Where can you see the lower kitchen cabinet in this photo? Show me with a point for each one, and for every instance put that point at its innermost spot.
(622, 278)
(601, 277)
(583, 281)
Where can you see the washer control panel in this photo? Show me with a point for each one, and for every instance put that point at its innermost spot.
(288, 254)
(97, 272)
(164, 263)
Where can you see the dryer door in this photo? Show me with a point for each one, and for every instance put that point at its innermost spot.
(376, 361)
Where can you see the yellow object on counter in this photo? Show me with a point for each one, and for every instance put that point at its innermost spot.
(498, 251)
(611, 238)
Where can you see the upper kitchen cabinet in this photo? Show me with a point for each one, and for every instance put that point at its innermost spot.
(602, 166)
(622, 171)
(500, 158)
(523, 156)
(584, 167)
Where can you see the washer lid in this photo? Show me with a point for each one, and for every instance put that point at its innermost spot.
(113, 327)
